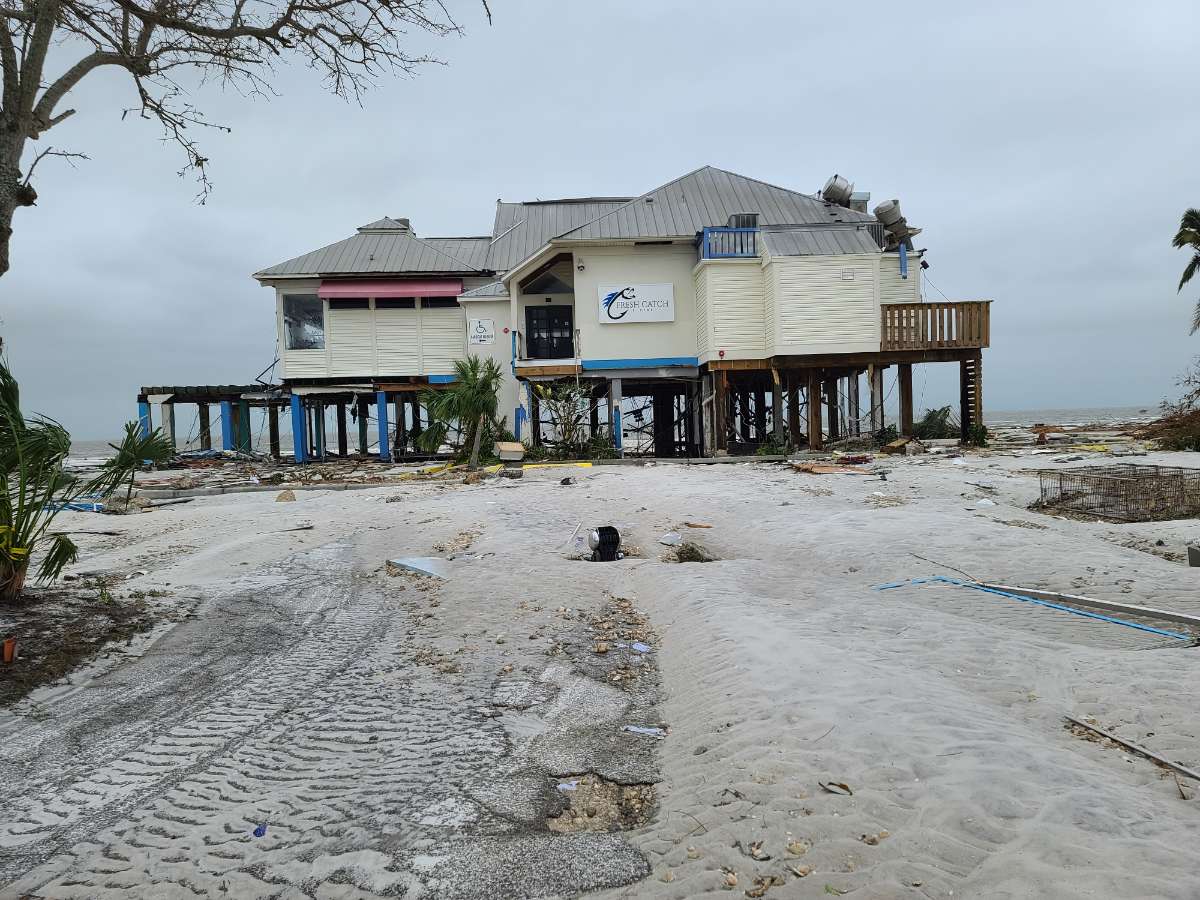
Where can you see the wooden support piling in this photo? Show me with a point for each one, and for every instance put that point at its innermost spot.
(720, 413)
(342, 437)
(793, 407)
(906, 399)
(831, 408)
(776, 406)
(854, 418)
(272, 412)
(813, 392)
(202, 413)
(364, 407)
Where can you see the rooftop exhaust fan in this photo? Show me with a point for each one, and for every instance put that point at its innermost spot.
(895, 225)
(837, 190)
(605, 542)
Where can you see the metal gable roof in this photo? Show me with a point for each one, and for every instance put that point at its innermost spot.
(819, 240)
(521, 229)
(706, 197)
(383, 247)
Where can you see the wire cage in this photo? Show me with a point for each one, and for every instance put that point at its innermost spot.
(1125, 492)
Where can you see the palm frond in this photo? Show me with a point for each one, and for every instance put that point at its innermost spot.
(1192, 267)
(60, 554)
(1189, 230)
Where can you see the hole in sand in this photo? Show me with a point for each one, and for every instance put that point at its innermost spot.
(593, 803)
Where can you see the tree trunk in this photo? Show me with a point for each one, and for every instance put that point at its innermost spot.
(474, 462)
(13, 192)
(12, 579)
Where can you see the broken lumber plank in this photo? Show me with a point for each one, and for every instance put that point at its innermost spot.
(1106, 605)
(1136, 748)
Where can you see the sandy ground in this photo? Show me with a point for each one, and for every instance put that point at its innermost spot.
(403, 738)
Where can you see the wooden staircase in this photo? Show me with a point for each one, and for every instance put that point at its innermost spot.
(970, 380)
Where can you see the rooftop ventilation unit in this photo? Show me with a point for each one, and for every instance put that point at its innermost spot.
(896, 226)
(837, 190)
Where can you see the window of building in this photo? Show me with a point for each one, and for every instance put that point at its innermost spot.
(356, 303)
(396, 303)
(303, 322)
(439, 302)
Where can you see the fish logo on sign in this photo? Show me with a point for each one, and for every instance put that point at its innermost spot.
(626, 293)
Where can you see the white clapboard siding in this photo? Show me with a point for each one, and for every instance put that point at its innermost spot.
(305, 364)
(826, 304)
(397, 342)
(703, 323)
(443, 340)
(734, 292)
(350, 336)
(893, 288)
(770, 321)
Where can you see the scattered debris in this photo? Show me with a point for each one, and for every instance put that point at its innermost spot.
(566, 482)
(261, 830)
(837, 787)
(762, 884)
(689, 551)
(797, 848)
(510, 451)
(433, 566)
(597, 804)
(873, 839)
(1135, 748)
(903, 446)
(671, 539)
(696, 525)
(648, 731)
(801, 871)
(287, 496)
(605, 543)
(814, 468)
(511, 473)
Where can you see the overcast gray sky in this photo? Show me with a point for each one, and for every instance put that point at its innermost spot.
(1048, 151)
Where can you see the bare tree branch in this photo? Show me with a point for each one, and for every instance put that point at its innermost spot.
(350, 43)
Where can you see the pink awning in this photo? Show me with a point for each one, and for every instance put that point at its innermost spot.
(442, 287)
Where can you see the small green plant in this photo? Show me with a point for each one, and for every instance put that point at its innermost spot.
(35, 487)
(469, 403)
(978, 435)
(771, 447)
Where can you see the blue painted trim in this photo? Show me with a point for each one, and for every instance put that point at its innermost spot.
(944, 579)
(381, 419)
(144, 422)
(518, 418)
(512, 335)
(299, 431)
(749, 246)
(618, 438)
(653, 363)
(903, 261)
(442, 379)
(227, 435)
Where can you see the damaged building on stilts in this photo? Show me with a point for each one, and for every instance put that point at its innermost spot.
(714, 315)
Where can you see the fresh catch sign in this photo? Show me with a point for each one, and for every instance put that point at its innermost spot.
(621, 303)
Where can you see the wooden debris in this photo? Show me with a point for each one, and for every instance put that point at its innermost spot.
(1135, 748)
(814, 468)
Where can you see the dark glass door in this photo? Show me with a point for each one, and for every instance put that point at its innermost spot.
(549, 332)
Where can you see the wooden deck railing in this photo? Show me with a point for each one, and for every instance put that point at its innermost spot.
(923, 326)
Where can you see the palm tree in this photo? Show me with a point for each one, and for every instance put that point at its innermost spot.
(1189, 236)
(35, 486)
(469, 402)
